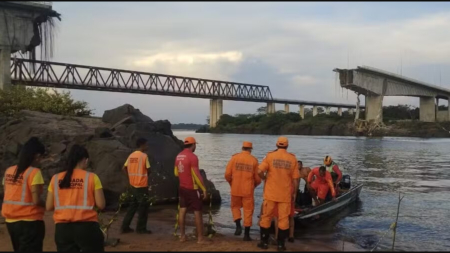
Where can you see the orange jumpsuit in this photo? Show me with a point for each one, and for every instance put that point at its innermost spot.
(321, 185)
(282, 169)
(242, 175)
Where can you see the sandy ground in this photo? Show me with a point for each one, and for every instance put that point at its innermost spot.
(161, 222)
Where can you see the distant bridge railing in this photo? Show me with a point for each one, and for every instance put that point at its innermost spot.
(71, 76)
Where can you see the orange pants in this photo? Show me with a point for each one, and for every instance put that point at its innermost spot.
(248, 204)
(321, 189)
(284, 209)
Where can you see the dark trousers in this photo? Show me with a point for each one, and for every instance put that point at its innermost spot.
(138, 202)
(27, 236)
(79, 236)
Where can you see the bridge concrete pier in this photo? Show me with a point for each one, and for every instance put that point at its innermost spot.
(350, 111)
(5, 72)
(286, 108)
(427, 109)
(314, 111)
(374, 108)
(340, 111)
(215, 111)
(302, 111)
(327, 110)
(270, 108)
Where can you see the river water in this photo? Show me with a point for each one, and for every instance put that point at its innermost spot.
(418, 168)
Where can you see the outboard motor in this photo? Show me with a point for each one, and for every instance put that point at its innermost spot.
(345, 183)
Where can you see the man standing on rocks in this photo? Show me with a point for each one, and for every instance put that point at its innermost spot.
(242, 175)
(280, 170)
(186, 168)
(137, 168)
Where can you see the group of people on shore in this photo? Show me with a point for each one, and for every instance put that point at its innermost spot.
(76, 194)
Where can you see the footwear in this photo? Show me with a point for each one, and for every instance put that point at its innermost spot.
(264, 243)
(282, 234)
(126, 230)
(144, 232)
(291, 239)
(238, 227)
(247, 234)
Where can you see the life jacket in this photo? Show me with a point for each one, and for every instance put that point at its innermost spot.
(75, 204)
(18, 201)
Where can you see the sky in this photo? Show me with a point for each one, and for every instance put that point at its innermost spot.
(290, 46)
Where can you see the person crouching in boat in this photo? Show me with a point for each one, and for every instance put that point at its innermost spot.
(321, 185)
(242, 175)
(22, 207)
(73, 194)
(333, 168)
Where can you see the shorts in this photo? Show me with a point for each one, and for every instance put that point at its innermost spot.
(291, 214)
(321, 189)
(190, 199)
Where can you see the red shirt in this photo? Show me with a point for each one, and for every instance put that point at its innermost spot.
(186, 168)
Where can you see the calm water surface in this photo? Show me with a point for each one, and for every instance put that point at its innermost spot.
(419, 168)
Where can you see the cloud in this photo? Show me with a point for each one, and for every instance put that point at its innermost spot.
(291, 47)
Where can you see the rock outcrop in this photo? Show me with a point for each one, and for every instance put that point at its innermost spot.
(109, 141)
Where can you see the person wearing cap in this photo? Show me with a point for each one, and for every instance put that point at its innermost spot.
(320, 183)
(280, 170)
(242, 175)
(334, 170)
(187, 170)
(137, 168)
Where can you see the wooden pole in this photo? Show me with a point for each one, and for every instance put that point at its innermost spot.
(396, 220)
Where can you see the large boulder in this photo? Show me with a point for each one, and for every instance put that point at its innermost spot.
(109, 141)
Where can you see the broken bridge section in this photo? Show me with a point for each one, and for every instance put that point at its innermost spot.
(375, 84)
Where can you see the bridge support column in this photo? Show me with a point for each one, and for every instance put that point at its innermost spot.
(286, 108)
(340, 111)
(350, 111)
(327, 110)
(302, 111)
(270, 108)
(314, 111)
(374, 108)
(5, 72)
(215, 111)
(427, 109)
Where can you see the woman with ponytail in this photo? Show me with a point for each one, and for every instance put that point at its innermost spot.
(22, 206)
(73, 194)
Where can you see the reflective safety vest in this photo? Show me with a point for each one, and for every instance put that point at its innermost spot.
(137, 170)
(330, 168)
(74, 204)
(18, 201)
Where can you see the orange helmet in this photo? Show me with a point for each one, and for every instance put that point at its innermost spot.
(327, 161)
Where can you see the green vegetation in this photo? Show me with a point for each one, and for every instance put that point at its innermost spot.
(189, 126)
(19, 98)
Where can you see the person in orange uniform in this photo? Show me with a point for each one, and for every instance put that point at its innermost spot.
(333, 168)
(22, 207)
(187, 170)
(280, 170)
(242, 175)
(73, 194)
(321, 185)
(137, 168)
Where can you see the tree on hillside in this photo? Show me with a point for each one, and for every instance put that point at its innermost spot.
(262, 110)
(19, 98)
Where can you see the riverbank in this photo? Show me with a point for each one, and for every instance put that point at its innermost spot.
(161, 222)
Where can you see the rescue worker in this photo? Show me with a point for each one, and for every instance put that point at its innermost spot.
(321, 185)
(280, 169)
(303, 198)
(137, 167)
(22, 206)
(336, 174)
(73, 194)
(187, 170)
(242, 175)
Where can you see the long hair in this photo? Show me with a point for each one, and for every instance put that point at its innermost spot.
(76, 154)
(27, 155)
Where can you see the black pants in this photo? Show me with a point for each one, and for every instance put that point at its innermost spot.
(79, 236)
(138, 202)
(27, 236)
